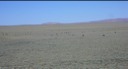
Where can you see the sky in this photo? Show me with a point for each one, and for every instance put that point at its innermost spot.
(39, 12)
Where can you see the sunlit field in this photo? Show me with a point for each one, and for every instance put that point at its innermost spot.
(65, 46)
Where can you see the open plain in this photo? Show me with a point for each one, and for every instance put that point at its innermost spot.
(64, 46)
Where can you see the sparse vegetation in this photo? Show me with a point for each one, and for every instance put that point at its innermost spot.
(64, 48)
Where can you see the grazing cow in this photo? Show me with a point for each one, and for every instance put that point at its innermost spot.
(103, 34)
(82, 35)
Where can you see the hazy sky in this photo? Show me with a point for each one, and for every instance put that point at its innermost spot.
(37, 12)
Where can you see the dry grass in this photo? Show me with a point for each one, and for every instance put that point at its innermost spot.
(75, 46)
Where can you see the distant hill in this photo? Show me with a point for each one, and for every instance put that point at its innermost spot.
(51, 23)
(115, 20)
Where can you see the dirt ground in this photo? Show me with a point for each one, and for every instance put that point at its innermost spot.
(64, 46)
